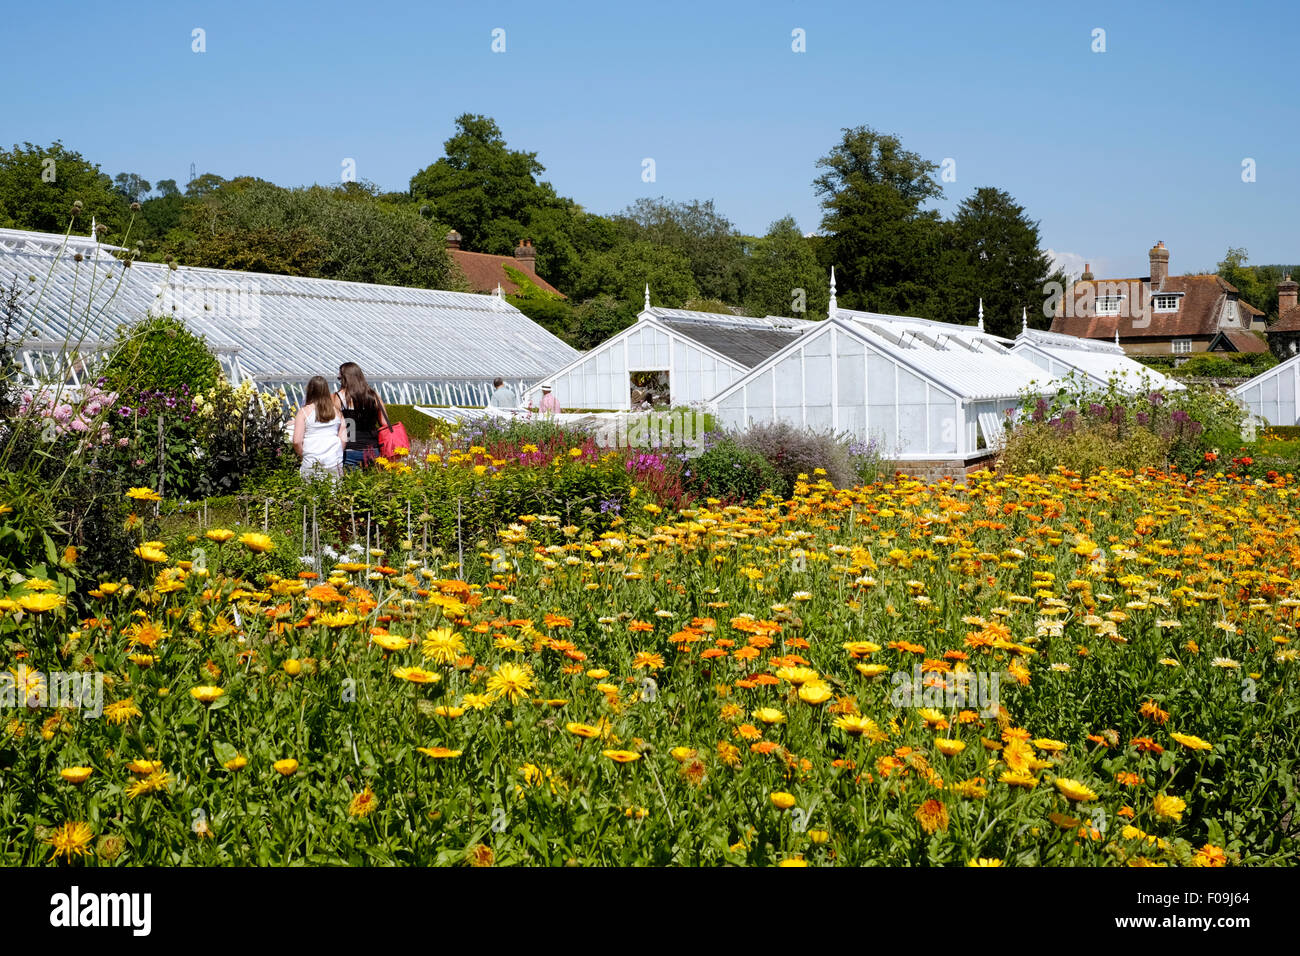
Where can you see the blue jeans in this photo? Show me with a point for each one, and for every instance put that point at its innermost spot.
(354, 458)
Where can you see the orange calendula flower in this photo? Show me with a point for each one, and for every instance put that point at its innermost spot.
(933, 816)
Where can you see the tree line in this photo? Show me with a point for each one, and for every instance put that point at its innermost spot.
(891, 252)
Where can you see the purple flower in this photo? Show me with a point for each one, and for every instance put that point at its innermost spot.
(1156, 398)
(1178, 417)
(1143, 418)
(125, 411)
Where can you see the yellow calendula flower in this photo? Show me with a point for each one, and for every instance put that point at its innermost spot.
(782, 800)
(769, 715)
(416, 675)
(439, 753)
(1074, 790)
(512, 681)
(286, 767)
(363, 803)
(257, 542)
(143, 494)
(1192, 743)
(206, 695)
(69, 839)
(984, 861)
(1170, 807)
(154, 555)
(621, 756)
(219, 535)
(237, 762)
(949, 748)
(41, 602)
(76, 775)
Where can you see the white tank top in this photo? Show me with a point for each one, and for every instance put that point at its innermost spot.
(320, 440)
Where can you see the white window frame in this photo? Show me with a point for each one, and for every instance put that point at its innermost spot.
(1230, 312)
(1181, 346)
(1164, 302)
(1109, 304)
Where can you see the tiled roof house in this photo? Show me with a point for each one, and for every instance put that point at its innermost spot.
(485, 272)
(1160, 314)
(1284, 334)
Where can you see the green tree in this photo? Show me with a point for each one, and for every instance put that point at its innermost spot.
(161, 353)
(39, 184)
(598, 318)
(482, 188)
(991, 252)
(201, 186)
(167, 187)
(626, 270)
(706, 239)
(341, 232)
(782, 275)
(133, 186)
(883, 244)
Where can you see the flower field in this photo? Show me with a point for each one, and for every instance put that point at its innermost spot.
(1015, 671)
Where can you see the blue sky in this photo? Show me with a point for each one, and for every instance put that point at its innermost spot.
(1110, 151)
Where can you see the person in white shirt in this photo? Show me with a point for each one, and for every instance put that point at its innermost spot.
(503, 396)
(319, 432)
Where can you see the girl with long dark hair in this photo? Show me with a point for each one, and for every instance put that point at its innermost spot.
(319, 432)
(365, 413)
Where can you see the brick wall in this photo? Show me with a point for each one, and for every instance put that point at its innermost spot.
(957, 470)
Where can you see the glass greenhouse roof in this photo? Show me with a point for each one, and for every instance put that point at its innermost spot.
(423, 346)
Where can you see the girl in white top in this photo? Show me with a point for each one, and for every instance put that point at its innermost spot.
(319, 432)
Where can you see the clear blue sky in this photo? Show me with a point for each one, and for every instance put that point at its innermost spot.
(1110, 151)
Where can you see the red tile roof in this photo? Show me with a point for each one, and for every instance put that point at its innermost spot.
(1202, 299)
(1289, 321)
(485, 272)
(1245, 341)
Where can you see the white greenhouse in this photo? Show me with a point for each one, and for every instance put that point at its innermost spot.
(1272, 395)
(923, 390)
(1095, 362)
(669, 356)
(416, 346)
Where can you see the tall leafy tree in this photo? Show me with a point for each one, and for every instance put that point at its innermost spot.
(133, 186)
(992, 252)
(482, 188)
(883, 244)
(782, 275)
(704, 237)
(39, 184)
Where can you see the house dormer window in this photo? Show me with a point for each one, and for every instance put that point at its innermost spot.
(1166, 303)
(1109, 304)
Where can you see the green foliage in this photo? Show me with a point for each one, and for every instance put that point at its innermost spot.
(702, 237)
(781, 262)
(30, 199)
(419, 426)
(794, 451)
(883, 244)
(626, 270)
(343, 232)
(729, 472)
(1255, 284)
(482, 188)
(1238, 365)
(1086, 429)
(241, 434)
(161, 353)
(992, 252)
(599, 318)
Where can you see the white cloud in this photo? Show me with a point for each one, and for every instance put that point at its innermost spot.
(1071, 263)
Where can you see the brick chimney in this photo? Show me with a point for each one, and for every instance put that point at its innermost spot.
(526, 257)
(1159, 264)
(453, 240)
(1286, 294)
(1087, 273)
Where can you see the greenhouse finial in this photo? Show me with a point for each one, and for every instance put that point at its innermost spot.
(1117, 333)
(93, 234)
(832, 306)
(1024, 319)
(981, 321)
(647, 296)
